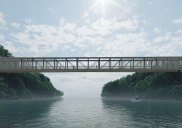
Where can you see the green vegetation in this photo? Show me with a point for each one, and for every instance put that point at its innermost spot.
(25, 85)
(145, 85)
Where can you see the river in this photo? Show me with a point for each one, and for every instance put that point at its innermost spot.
(90, 113)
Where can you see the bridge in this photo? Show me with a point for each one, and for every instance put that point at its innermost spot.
(90, 64)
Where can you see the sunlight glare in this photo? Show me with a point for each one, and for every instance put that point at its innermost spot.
(103, 8)
(102, 2)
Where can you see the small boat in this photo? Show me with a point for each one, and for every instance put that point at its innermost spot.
(134, 100)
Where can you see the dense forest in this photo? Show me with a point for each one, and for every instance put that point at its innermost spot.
(145, 85)
(25, 85)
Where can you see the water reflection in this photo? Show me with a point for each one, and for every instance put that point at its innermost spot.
(148, 113)
(90, 112)
(25, 113)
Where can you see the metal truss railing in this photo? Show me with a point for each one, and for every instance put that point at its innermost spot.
(90, 64)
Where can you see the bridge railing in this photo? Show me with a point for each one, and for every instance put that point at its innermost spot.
(90, 63)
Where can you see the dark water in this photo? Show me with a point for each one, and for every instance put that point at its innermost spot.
(90, 113)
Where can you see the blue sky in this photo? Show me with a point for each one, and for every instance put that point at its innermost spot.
(77, 28)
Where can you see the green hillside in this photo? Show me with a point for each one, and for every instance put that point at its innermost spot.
(145, 85)
(25, 85)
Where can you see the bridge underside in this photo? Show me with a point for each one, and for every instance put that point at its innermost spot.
(90, 64)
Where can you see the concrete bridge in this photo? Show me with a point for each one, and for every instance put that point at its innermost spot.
(90, 64)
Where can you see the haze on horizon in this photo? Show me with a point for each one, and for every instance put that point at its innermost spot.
(90, 28)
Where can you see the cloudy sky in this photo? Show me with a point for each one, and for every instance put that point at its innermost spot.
(90, 28)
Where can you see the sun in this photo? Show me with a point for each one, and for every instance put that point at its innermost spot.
(102, 2)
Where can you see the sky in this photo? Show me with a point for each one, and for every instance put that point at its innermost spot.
(90, 28)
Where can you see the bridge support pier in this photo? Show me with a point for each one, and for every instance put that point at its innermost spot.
(179, 75)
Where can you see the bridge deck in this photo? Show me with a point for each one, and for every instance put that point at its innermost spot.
(90, 64)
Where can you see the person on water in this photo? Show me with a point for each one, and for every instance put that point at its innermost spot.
(137, 98)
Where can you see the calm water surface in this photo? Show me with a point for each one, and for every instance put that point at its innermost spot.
(90, 113)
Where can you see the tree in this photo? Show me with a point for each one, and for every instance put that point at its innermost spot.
(42, 77)
(140, 87)
(3, 87)
(16, 83)
(10, 93)
(123, 85)
(162, 79)
(2, 95)
(4, 52)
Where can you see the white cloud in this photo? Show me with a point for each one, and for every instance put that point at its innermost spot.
(65, 47)
(145, 22)
(28, 20)
(69, 27)
(54, 37)
(158, 39)
(171, 48)
(2, 21)
(177, 21)
(98, 49)
(97, 11)
(85, 14)
(157, 31)
(179, 31)
(105, 26)
(10, 46)
(84, 30)
(166, 37)
(50, 9)
(2, 37)
(62, 21)
(87, 20)
(43, 39)
(150, 3)
(43, 29)
(3, 28)
(73, 50)
(16, 25)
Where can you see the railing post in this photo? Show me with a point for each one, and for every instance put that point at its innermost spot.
(88, 63)
(119, 63)
(130, 64)
(43, 63)
(109, 63)
(99, 64)
(36, 64)
(65, 63)
(144, 63)
(76, 63)
(54, 64)
(46, 65)
(32, 63)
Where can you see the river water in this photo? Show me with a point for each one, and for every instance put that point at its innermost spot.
(90, 113)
